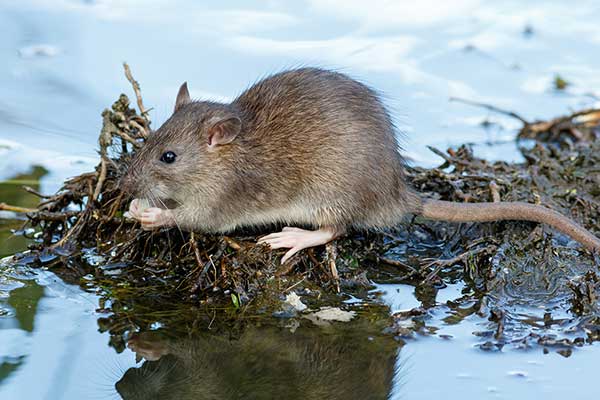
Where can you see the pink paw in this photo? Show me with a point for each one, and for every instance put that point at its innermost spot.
(297, 239)
(153, 217)
(136, 207)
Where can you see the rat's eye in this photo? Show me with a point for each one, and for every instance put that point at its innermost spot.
(168, 157)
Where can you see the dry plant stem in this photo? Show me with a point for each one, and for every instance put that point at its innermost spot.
(288, 266)
(331, 250)
(439, 264)
(71, 231)
(494, 191)
(491, 108)
(396, 263)
(7, 207)
(115, 206)
(449, 159)
(311, 256)
(31, 190)
(129, 139)
(589, 116)
(138, 93)
(55, 216)
(101, 178)
(232, 243)
(196, 250)
(142, 130)
(294, 285)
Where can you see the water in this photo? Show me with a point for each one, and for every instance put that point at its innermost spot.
(60, 66)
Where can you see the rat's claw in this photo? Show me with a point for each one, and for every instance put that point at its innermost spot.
(156, 217)
(297, 239)
(289, 254)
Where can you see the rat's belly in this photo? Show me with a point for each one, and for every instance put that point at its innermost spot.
(290, 214)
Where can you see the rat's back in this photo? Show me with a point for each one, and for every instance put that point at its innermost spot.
(328, 143)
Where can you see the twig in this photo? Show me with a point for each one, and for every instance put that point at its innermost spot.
(196, 250)
(101, 179)
(116, 205)
(331, 249)
(294, 285)
(54, 216)
(7, 207)
(75, 228)
(395, 263)
(128, 138)
(232, 243)
(491, 108)
(494, 191)
(31, 190)
(584, 117)
(450, 160)
(143, 132)
(288, 266)
(311, 256)
(138, 93)
(451, 261)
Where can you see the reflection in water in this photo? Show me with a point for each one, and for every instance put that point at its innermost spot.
(265, 363)
(18, 309)
(11, 192)
(22, 306)
(24, 301)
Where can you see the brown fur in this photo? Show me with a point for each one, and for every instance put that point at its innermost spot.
(314, 148)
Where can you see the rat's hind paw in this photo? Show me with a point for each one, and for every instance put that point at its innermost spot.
(297, 239)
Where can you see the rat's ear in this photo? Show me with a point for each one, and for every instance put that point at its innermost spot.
(223, 130)
(183, 97)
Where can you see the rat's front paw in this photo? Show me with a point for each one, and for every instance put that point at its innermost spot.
(136, 208)
(153, 217)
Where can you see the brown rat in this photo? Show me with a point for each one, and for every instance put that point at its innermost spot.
(307, 146)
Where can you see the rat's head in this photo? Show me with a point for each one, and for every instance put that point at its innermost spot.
(188, 156)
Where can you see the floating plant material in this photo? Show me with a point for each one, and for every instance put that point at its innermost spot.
(580, 126)
(560, 83)
(528, 284)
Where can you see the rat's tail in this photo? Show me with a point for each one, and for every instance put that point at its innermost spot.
(484, 212)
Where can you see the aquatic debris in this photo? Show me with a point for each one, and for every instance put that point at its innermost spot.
(560, 83)
(294, 300)
(330, 314)
(579, 126)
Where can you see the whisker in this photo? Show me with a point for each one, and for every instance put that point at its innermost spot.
(176, 224)
(167, 232)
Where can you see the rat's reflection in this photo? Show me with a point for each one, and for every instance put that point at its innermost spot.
(262, 363)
